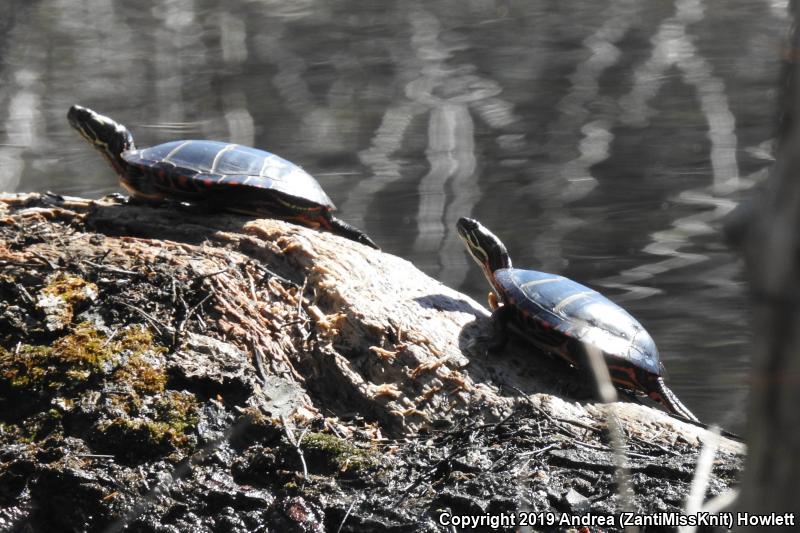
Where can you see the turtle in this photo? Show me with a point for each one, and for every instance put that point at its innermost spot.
(212, 173)
(561, 317)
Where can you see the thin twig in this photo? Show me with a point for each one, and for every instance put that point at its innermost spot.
(259, 358)
(251, 285)
(533, 453)
(212, 274)
(24, 264)
(702, 475)
(157, 324)
(553, 420)
(346, 515)
(296, 444)
(111, 337)
(270, 274)
(655, 444)
(628, 453)
(44, 259)
(577, 423)
(608, 395)
(109, 268)
(300, 299)
(25, 294)
(180, 326)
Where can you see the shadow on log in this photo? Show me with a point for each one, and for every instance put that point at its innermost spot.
(165, 368)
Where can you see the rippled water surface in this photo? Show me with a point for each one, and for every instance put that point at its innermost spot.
(603, 140)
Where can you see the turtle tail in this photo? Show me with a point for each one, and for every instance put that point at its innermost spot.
(663, 395)
(340, 227)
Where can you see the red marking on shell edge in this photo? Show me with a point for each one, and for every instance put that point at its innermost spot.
(628, 372)
(655, 395)
(208, 182)
(315, 223)
(303, 221)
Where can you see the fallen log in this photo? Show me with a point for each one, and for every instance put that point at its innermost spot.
(161, 365)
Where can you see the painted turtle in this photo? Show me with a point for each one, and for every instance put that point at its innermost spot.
(230, 176)
(559, 316)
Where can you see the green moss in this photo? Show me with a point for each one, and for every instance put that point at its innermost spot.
(42, 424)
(79, 357)
(135, 437)
(142, 377)
(138, 377)
(338, 453)
(72, 289)
(166, 427)
(179, 410)
(254, 427)
(138, 340)
(63, 296)
(136, 416)
(32, 429)
(70, 361)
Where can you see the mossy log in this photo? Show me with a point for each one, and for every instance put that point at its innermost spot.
(266, 366)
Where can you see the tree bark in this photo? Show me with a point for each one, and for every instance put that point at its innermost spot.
(773, 256)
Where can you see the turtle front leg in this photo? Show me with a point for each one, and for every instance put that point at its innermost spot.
(117, 197)
(342, 228)
(501, 317)
(144, 201)
(491, 299)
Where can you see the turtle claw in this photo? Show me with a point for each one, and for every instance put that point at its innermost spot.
(53, 197)
(116, 197)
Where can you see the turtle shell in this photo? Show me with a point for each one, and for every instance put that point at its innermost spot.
(191, 168)
(578, 312)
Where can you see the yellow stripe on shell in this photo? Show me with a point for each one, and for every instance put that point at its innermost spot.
(539, 282)
(175, 150)
(219, 154)
(569, 299)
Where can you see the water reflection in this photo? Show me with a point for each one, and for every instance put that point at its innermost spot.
(601, 140)
(22, 127)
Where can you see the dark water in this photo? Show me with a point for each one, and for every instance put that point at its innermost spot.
(603, 140)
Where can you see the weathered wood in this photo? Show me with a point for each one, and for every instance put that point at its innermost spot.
(388, 341)
(303, 327)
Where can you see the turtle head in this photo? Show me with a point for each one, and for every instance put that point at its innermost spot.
(109, 137)
(485, 248)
